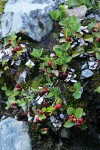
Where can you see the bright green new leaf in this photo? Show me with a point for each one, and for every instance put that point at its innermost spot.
(37, 52)
(79, 113)
(70, 111)
(69, 124)
(77, 94)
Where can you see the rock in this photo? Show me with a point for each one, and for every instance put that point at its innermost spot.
(0, 33)
(85, 66)
(13, 135)
(86, 74)
(30, 16)
(78, 11)
(65, 133)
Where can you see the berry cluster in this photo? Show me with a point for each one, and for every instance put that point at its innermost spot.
(77, 122)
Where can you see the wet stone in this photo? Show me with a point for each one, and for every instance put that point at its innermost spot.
(86, 74)
(14, 135)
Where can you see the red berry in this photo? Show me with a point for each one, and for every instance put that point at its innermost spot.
(41, 93)
(74, 120)
(68, 39)
(45, 104)
(55, 107)
(50, 63)
(10, 40)
(64, 74)
(17, 86)
(58, 106)
(97, 39)
(40, 112)
(19, 89)
(70, 117)
(80, 120)
(43, 70)
(15, 49)
(46, 129)
(50, 75)
(78, 124)
(19, 47)
(45, 90)
(37, 119)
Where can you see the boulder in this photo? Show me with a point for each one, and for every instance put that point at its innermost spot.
(14, 135)
(78, 11)
(30, 16)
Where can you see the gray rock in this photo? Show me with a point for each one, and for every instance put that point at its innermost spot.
(78, 11)
(86, 74)
(0, 33)
(13, 135)
(94, 16)
(65, 133)
(85, 66)
(30, 16)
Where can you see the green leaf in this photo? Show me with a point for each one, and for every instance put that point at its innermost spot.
(4, 88)
(77, 94)
(77, 86)
(69, 124)
(91, 25)
(8, 92)
(16, 92)
(98, 55)
(79, 113)
(55, 14)
(44, 109)
(98, 89)
(43, 131)
(88, 38)
(83, 127)
(11, 99)
(59, 101)
(37, 52)
(42, 117)
(59, 61)
(58, 52)
(50, 109)
(70, 111)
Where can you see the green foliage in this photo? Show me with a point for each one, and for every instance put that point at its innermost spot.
(69, 124)
(61, 52)
(37, 52)
(76, 114)
(98, 89)
(45, 92)
(58, 14)
(79, 113)
(71, 25)
(88, 3)
(77, 89)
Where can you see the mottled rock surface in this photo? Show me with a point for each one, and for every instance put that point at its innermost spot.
(14, 135)
(77, 11)
(30, 16)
